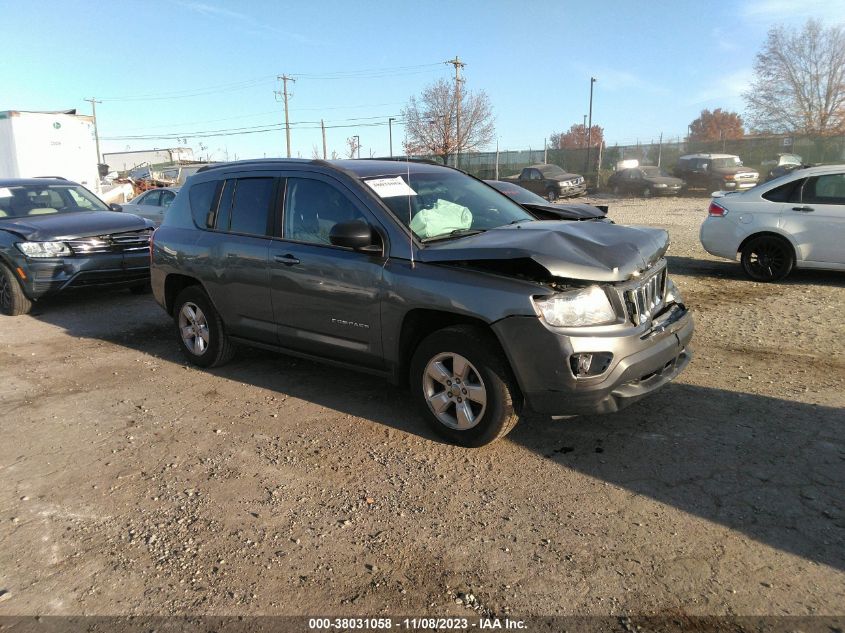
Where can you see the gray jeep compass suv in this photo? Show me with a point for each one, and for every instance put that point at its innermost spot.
(423, 275)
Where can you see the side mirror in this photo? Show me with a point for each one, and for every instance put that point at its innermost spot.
(355, 234)
(114, 206)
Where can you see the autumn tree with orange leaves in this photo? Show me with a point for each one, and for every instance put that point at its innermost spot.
(716, 126)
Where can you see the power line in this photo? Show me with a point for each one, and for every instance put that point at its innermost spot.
(194, 92)
(236, 131)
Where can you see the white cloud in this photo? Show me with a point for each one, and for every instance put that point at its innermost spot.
(725, 91)
(252, 25)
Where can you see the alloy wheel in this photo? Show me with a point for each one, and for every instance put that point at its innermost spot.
(193, 327)
(454, 391)
(768, 259)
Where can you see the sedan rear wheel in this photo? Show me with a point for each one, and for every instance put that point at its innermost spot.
(13, 302)
(767, 258)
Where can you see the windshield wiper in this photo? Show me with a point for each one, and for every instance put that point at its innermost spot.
(451, 234)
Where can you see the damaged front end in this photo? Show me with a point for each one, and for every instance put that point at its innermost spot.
(610, 326)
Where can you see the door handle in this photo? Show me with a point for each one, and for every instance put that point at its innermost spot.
(287, 260)
(804, 209)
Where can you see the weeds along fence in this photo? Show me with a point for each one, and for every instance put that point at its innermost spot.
(753, 150)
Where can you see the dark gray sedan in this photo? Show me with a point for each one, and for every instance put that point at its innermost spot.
(55, 235)
(645, 181)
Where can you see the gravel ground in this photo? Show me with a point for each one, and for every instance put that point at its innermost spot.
(134, 484)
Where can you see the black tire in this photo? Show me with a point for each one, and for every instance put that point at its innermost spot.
(616, 190)
(13, 302)
(551, 195)
(767, 258)
(488, 368)
(647, 192)
(217, 349)
(141, 289)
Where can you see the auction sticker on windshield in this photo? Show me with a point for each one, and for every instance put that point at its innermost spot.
(390, 187)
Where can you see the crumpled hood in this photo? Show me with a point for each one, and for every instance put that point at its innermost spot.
(590, 251)
(63, 226)
(562, 177)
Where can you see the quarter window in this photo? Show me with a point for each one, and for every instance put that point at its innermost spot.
(312, 208)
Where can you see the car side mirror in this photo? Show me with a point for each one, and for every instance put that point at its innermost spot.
(114, 206)
(355, 234)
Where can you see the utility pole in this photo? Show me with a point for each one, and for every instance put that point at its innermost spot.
(390, 121)
(660, 149)
(458, 64)
(323, 127)
(94, 103)
(285, 96)
(590, 125)
(545, 151)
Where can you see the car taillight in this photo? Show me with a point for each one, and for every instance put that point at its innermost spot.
(717, 209)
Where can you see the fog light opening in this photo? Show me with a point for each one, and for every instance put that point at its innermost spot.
(588, 364)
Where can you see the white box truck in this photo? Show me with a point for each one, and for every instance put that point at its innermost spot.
(61, 144)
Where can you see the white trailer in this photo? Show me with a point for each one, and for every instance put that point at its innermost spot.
(127, 161)
(60, 144)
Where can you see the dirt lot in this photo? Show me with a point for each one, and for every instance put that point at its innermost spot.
(134, 484)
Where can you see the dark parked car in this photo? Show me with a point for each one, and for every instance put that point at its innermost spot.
(55, 235)
(549, 181)
(716, 172)
(542, 209)
(645, 181)
(420, 274)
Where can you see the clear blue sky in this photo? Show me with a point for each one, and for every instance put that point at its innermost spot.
(201, 65)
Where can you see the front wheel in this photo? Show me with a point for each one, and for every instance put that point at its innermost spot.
(647, 192)
(200, 331)
(13, 302)
(767, 258)
(551, 195)
(463, 386)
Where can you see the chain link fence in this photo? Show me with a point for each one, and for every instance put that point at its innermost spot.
(755, 152)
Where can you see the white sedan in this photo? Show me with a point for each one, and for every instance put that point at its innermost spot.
(795, 221)
(151, 204)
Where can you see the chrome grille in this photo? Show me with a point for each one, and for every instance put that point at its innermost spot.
(645, 299)
(128, 242)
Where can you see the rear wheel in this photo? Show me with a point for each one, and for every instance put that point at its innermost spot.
(463, 386)
(13, 302)
(767, 258)
(200, 331)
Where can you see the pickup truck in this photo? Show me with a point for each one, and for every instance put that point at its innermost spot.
(550, 181)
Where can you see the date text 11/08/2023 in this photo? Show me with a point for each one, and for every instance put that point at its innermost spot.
(424, 623)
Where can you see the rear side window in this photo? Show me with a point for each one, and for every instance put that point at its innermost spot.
(245, 206)
(827, 189)
(789, 192)
(202, 197)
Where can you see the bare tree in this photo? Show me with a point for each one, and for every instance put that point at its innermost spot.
(716, 125)
(799, 81)
(352, 146)
(315, 152)
(430, 121)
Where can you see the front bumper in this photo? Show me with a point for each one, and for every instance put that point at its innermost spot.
(573, 191)
(46, 277)
(643, 361)
(666, 191)
(741, 185)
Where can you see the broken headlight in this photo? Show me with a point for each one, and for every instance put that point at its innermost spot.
(673, 295)
(44, 249)
(587, 306)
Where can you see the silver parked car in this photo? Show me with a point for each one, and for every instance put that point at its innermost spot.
(152, 204)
